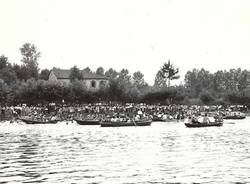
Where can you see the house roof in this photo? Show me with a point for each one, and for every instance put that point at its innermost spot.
(65, 74)
(60, 73)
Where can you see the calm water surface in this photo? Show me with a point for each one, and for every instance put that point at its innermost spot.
(162, 153)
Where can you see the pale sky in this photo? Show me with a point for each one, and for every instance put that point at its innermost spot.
(133, 34)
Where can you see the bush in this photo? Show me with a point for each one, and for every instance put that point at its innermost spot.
(206, 97)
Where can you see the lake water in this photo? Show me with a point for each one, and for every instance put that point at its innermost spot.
(161, 153)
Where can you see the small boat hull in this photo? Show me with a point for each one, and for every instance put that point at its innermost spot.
(199, 125)
(234, 117)
(29, 121)
(88, 122)
(157, 119)
(120, 124)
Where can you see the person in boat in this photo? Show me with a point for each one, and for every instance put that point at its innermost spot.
(206, 119)
(178, 116)
(137, 117)
(53, 118)
(193, 118)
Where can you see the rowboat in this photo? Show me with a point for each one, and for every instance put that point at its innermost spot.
(125, 123)
(203, 122)
(198, 125)
(31, 121)
(88, 121)
(234, 115)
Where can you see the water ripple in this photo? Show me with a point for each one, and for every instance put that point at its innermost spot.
(162, 153)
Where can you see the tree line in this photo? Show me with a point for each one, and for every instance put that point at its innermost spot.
(26, 83)
(223, 86)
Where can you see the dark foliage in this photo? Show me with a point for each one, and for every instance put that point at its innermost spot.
(25, 84)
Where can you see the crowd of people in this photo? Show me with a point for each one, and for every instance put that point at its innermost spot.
(102, 110)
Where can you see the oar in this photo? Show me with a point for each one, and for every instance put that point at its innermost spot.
(134, 122)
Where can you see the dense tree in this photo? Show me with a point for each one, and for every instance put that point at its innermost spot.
(198, 80)
(132, 94)
(19, 84)
(244, 80)
(219, 81)
(115, 91)
(124, 79)
(166, 95)
(206, 97)
(87, 70)
(100, 71)
(111, 74)
(75, 74)
(138, 80)
(3, 92)
(160, 81)
(8, 75)
(169, 72)
(30, 57)
(231, 80)
(78, 91)
(124, 76)
(20, 72)
(3, 62)
(44, 74)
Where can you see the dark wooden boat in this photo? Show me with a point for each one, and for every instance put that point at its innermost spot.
(156, 118)
(234, 115)
(125, 123)
(88, 121)
(198, 125)
(5, 119)
(30, 121)
(197, 122)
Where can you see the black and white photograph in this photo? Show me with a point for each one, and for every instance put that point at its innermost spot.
(125, 91)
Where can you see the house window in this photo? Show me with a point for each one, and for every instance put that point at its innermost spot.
(102, 83)
(93, 84)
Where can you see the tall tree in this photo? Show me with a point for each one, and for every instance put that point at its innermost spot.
(111, 74)
(44, 74)
(100, 71)
(75, 74)
(244, 80)
(169, 72)
(197, 80)
(160, 81)
(3, 92)
(20, 72)
(219, 81)
(3, 62)
(124, 78)
(231, 80)
(205, 79)
(87, 70)
(138, 79)
(30, 56)
(7, 74)
(121, 84)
